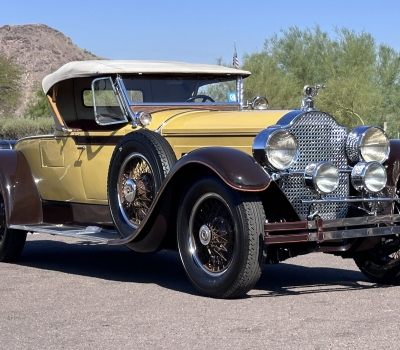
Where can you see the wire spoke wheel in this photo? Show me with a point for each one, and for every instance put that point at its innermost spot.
(383, 264)
(395, 257)
(140, 162)
(212, 234)
(136, 188)
(220, 238)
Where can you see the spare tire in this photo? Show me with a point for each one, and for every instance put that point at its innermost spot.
(138, 167)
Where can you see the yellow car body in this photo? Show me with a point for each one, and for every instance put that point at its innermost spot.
(66, 170)
(168, 155)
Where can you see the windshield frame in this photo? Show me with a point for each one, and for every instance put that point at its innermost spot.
(239, 95)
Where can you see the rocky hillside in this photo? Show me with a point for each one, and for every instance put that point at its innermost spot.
(38, 50)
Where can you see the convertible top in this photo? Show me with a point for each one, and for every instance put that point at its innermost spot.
(79, 69)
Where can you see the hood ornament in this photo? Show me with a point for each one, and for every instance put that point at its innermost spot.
(307, 103)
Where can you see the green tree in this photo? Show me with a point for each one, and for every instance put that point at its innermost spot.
(10, 80)
(269, 80)
(388, 81)
(362, 79)
(38, 106)
(352, 95)
(388, 78)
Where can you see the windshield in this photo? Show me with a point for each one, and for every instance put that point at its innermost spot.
(180, 89)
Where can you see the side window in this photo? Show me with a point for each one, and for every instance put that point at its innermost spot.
(87, 98)
(107, 107)
(135, 96)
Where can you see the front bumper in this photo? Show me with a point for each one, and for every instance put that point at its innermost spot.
(321, 230)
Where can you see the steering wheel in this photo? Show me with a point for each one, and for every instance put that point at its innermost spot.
(203, 97)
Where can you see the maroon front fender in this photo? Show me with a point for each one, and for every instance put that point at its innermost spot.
(20, 193)
(236, 168)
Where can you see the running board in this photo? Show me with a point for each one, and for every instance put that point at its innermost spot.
(92, 233)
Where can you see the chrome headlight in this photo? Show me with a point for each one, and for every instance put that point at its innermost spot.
(142, 118)
(259, 102)
(321, 177)
(369, 176)
(367, 144)
(275, 148)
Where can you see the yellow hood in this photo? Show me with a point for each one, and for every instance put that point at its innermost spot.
(214, 122)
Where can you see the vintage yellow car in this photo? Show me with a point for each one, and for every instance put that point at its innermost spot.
(168, 155)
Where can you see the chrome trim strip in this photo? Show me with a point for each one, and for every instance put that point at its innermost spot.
(338, 229)
(350, 200)
(183, 104)
(289, 172)
(358, 221)
(89, 233)
(355, 233)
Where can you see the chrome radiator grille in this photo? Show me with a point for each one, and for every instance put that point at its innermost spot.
(320, 138)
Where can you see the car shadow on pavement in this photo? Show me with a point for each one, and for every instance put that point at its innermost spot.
(290, 279)
(116, 263)
(165, 269)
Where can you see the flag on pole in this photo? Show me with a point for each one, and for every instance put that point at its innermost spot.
(235, 61)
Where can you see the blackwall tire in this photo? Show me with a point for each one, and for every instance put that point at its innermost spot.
(220, 238)
(380, 268)
(138, 166)
(11, 241)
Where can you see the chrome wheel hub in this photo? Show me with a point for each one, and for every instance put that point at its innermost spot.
(205, 235)
(136, 189)
(212, 234)
(130, 190)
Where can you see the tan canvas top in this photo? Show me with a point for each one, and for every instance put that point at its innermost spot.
(79, 69)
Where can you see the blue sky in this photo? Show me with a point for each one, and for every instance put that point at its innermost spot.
(197, 31)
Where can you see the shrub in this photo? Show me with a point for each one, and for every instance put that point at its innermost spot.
(37, 106)
(14, 129)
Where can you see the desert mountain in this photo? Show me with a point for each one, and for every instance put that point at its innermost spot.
(38, 50)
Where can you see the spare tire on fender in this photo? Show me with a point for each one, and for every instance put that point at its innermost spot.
(138, 167)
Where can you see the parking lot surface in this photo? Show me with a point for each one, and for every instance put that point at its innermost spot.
(68, 294)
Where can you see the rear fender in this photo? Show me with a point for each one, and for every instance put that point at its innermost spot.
(7, 144)
(236, 168)
(21, 196)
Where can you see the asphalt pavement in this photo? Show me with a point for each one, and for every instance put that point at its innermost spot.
(68, 294)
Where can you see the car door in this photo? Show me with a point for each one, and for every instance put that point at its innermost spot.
(53, 162)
